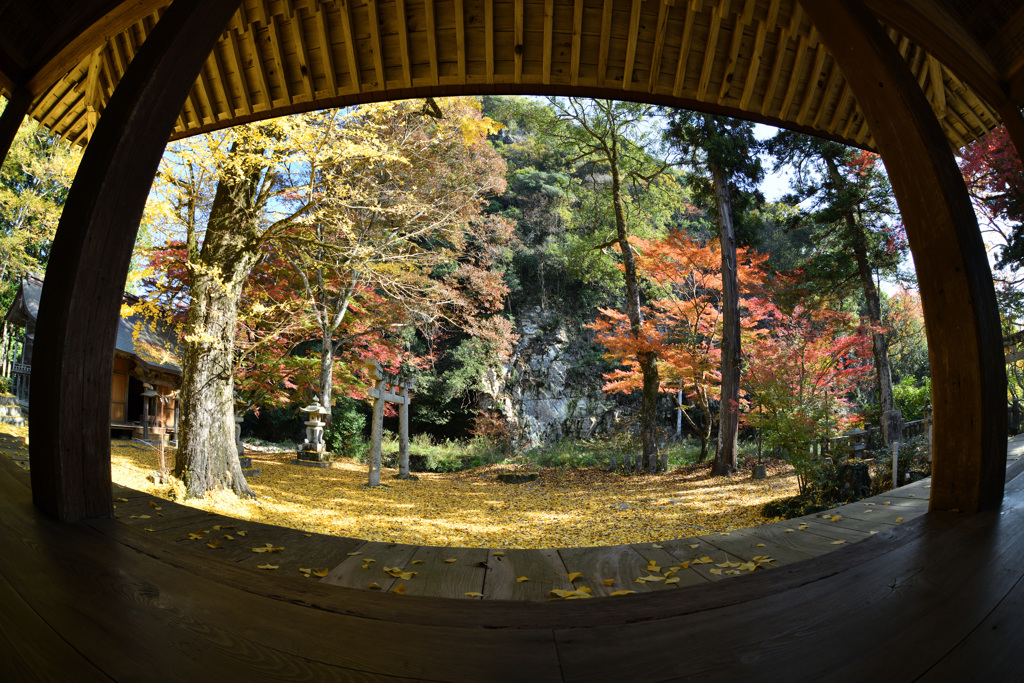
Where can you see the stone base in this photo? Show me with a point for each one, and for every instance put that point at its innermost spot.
(250, 473)
(310, 463)
(509, 478)
(245, 462)
(407, 477)
(759, 472)
(313, 456)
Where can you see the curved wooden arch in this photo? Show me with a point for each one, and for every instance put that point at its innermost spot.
(692, 633)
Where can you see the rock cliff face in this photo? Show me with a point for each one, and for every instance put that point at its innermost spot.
(551, 388)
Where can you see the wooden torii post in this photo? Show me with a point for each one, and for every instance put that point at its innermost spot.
(395, 389)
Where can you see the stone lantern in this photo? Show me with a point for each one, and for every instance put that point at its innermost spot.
(314, 448)
(926, 415)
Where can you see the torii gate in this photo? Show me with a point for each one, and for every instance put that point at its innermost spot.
(397, 392)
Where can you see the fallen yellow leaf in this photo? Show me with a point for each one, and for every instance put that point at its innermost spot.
(305, 571)
(607, 582)
(215, 544)
(575, 575)
(323, 572)
(622, 593)
(449, 560)
(400, 589)
(655, 545)
(417, 562)
(374, 586)
(898, 520)
(521, 579)
(674, 579)
(473, 595)
(355, 553)
(121, 500)
(716, 571)
(760, 545)
(839, 542)
(268, 566)
(498, 554)
(837, 518)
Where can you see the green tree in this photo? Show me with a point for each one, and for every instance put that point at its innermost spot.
(726, 150)
(851, 214)
(611, 145)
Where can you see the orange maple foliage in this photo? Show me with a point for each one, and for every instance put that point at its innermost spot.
(682, 323)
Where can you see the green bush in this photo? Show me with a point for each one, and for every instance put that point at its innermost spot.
(911, 397)
(914, 465)
(345, 435)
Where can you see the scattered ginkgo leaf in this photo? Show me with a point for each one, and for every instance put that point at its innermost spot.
(607, 582)
(153, 504)
(399, 589)
(148, 529)
(898, 520)
(449, 560)
(789, 531)
(215, 544)
(622, 593)
(305, 571)
(473, 595)
(760, 545)
(268, 566)
(575, 575)
(374, 586)
(321, 572)
(837, 518)
(241, 533)
(655, 545)
(839, 542)
(355, 553)
(498, 554)
(521, 579)
(229, 537)
(886, 502)
(144, 517)
(695, 545)
(706, 559)
(308, 535)
(195, 535)
(716, 571)
(121, 500)
(725, 533)
(416, 562)
(867, 511)
(674, 579)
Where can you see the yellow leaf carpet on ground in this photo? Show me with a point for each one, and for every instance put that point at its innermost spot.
(563, 508)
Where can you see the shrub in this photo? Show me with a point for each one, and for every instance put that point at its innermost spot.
(914, 465)
(345, 435)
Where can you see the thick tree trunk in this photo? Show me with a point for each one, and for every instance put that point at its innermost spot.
(207, 457)
(728, 420)
(883, 374)
(648, 361)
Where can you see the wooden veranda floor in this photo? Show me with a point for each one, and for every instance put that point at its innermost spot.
(937, 597)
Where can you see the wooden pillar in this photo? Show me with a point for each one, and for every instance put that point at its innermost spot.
(965, 344)
(403, 433)
(78, 312)
(376, 433)
(10, 121)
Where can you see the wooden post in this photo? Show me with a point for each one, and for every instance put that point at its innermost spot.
(403, 434)
(958, 297)
(10, 121)
(78, 312)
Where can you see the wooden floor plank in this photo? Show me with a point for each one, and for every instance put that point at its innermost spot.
(680, 550)
(622, 564)
(439, 578)
(544, 569)
(747, 545)
(32, 651)
(367, 568)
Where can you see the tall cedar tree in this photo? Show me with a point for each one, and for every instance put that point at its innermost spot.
(850, 213)
(614, 138)
(729, 151)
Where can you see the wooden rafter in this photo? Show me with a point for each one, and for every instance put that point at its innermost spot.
(834, 78)
(754, 66)
(489, 42)
(375, 45)
(323, 29)
(549, 23)
(305, 66)
(460, 37)
(261, 70)
(518, 37)
(714, 28)
(92, 89)
(577, 39)
(664, 8)
(634, 28)
(684, 48)
(350, 48)
(812, 84)
(604, 45)
(794, 80)
(278, 55)
(235, 52)
(938, 87)
(734, 51)
(428, 9)
(215, 65)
